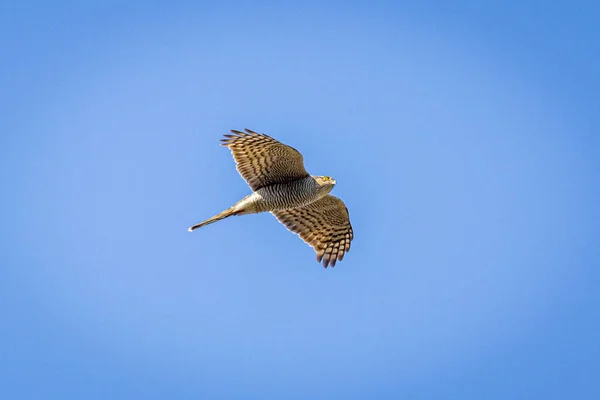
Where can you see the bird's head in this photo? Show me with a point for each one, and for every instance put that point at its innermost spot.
(326, 183)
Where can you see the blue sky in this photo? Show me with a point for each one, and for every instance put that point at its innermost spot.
(463, 138)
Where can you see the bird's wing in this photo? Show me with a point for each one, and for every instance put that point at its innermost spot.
(262, 160)
(324, 225)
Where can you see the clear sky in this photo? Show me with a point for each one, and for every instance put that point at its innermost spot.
(464, 141)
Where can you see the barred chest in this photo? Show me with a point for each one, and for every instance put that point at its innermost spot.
(286, 195)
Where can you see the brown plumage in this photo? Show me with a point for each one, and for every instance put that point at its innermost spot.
(324, 225)
(280, 184)
(262, 160)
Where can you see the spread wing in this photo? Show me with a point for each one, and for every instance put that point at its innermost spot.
(262, 160)
(324, 225)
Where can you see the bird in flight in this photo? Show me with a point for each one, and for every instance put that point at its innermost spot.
(280, 185)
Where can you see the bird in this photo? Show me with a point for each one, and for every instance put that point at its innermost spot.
(281, 185)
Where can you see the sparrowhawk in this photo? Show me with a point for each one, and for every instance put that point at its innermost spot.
(281, 185)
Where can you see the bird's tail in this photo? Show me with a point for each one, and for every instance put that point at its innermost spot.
(225, 214)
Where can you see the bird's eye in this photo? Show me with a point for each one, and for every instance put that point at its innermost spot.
(326, 178)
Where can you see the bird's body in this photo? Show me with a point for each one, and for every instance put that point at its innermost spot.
(281, 185)
(283, 196)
